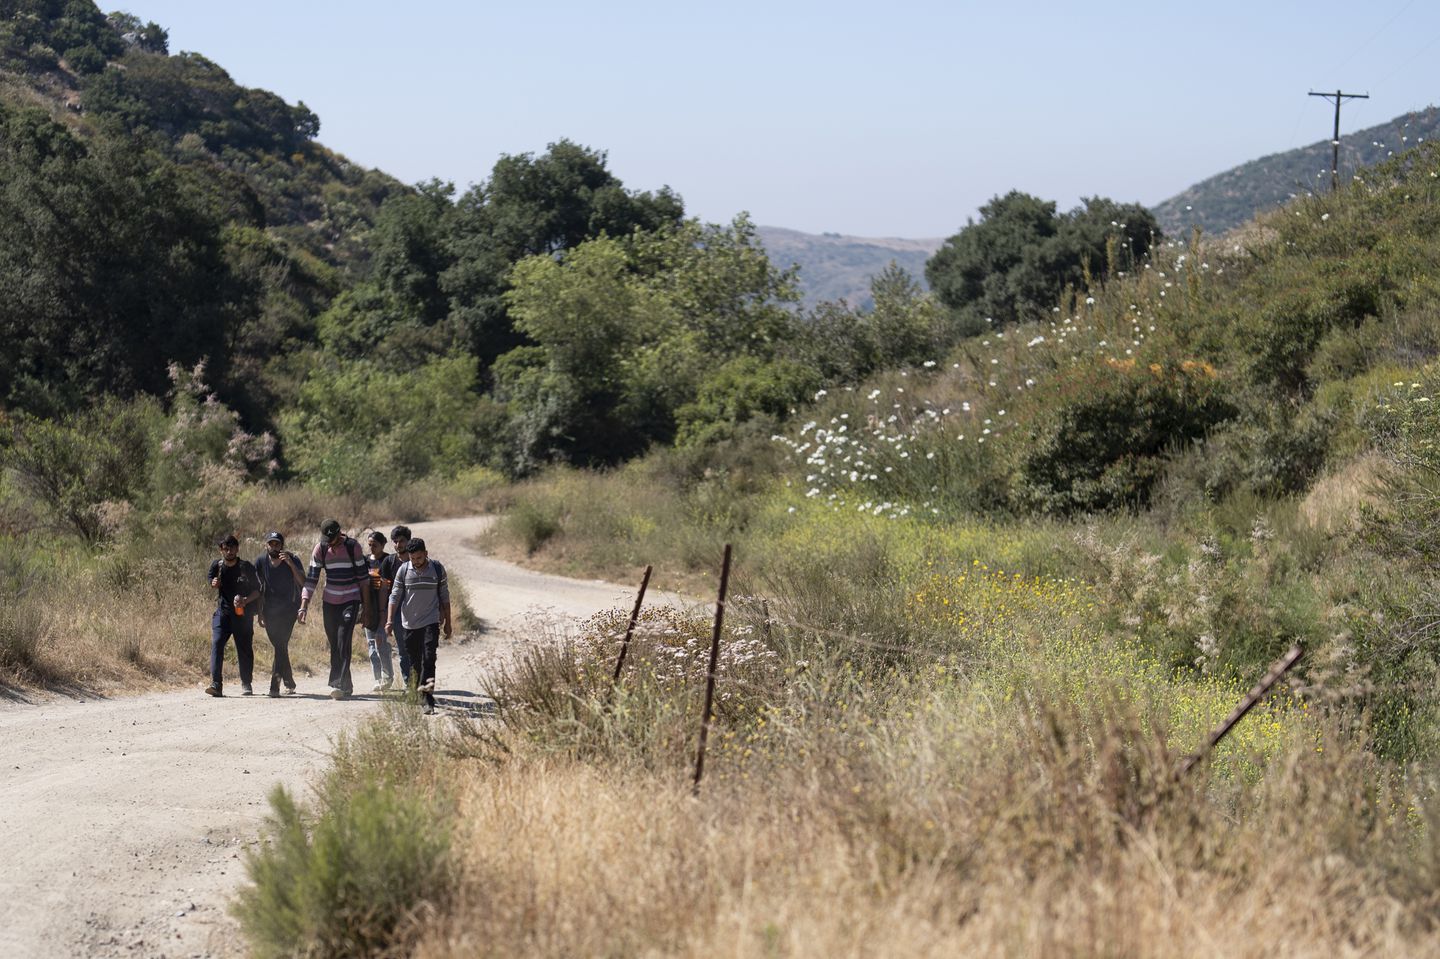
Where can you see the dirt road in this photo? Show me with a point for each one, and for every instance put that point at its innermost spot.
(122, 821)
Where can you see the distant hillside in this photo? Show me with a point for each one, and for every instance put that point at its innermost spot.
(835, 267)
(113, 77)
(1229, 199)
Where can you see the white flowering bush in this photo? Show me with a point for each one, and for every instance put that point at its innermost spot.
(1020, 418)
(562, 692)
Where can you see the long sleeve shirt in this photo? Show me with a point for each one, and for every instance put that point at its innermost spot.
(345, 569)
(418, 594)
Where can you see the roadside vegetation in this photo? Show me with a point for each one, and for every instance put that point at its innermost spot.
(984, 605)
(1005, 552)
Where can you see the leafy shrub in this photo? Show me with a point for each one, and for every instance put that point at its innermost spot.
(78, 463)
(85, 60)
(534, 523)
(358, 881)
(1097, 435)
(1281, 339)
(360, 428)
(740, 390)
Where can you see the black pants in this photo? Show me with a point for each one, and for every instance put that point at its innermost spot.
(340, 622)
(279, 624)
(224, 624)
(421, 644)
(397, 639)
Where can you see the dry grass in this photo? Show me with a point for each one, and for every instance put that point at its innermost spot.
(1013, 799)
(1025, 846)
(1334, 503)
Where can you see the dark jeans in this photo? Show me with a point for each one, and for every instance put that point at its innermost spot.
(397, 637)
(421, 645)
(279, 624)
(223, 625)
(340, 622)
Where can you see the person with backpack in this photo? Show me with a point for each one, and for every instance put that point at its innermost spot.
(420, 600)
(236, 588)
(389, 566)
(345, 599)
(281, 579)
(377, 638)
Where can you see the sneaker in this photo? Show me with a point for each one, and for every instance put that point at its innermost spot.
(429, 710)
(386, 683)
(378, 688)
(214, 690)
(246, 689)
(336, 693)
(289, 690)
(274, 693)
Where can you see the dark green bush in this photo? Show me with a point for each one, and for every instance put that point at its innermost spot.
(359, 880)
(744, 388)
(85, 59)
(1097, 435)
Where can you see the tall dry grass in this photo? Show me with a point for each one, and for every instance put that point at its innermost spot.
(1019, 840)
(860, 801)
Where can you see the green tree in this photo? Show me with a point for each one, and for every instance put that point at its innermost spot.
(625, 332)
(408, 247)
(108, 268)
(906, 324)
(532, 206)
(357, 427)
(1018, 259)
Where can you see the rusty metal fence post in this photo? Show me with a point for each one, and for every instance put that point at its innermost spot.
(1278, 669)
(714, 665)
(630, 630)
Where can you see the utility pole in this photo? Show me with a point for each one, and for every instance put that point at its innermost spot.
(1337, 96)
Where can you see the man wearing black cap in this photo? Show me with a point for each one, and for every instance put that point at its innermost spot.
(236, 589)
(347, 574)
(281, 579)
(420, 600)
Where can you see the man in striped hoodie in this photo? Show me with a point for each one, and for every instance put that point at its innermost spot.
(346, 597)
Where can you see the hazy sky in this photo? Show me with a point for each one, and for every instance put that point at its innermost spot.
(894, 119)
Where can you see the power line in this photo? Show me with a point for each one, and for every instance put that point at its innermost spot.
(1338, 97)
(1355, 51)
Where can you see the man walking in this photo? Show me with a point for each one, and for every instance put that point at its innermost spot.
(281, 579)
(420, 599)
(236, 587)
(389, 568)
(377, 637)
(339, 557)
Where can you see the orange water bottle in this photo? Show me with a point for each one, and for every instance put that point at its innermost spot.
(239, 605)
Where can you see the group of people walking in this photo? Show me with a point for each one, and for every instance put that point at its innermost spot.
(403, 596)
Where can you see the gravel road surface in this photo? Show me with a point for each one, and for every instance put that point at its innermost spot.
(124, 820)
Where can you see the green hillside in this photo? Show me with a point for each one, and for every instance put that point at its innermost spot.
(1226, 200)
